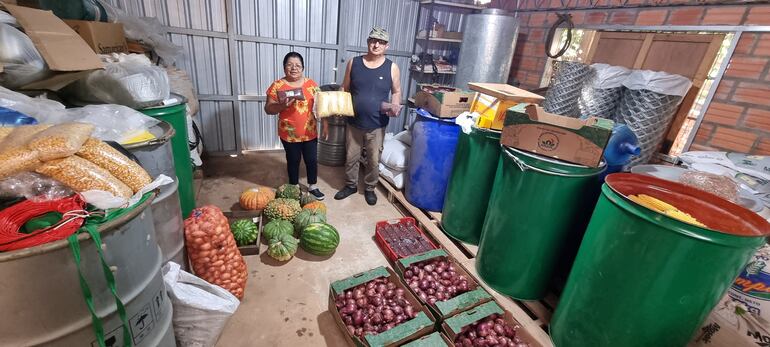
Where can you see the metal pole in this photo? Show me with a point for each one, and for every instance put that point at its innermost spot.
(231, 44)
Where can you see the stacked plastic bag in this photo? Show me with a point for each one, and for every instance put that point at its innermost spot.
(394, 160)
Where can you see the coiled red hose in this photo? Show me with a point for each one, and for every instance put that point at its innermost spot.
(12, 219)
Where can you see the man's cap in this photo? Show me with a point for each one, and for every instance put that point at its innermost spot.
(379, 34)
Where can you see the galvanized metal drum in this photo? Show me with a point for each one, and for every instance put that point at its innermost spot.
(331, 151)
(157, 158)
(43, 304)
(156, 155)
(169, 226)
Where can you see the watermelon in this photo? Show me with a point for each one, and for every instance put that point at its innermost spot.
(277, 227)
(288, 191)
(307, 217)
(282, 248)
(319, 239)
(244, 231)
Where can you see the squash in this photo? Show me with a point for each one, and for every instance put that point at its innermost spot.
(256, 198)
(315, 205)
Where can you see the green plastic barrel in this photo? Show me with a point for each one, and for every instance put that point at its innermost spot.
(470, 185)
(175, 114)
(539, 206)
(644, 279)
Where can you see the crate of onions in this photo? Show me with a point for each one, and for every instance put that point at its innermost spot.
(400, 238)
(440, 283)
(374, 308)
(485, 325)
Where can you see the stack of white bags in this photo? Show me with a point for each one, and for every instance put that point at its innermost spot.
(394, 160)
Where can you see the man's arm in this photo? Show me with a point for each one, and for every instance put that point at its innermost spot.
(346, 80)
(395, 88)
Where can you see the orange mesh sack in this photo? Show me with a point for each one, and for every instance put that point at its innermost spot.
(212, 250)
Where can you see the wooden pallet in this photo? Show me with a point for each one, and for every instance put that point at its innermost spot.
(533, 316)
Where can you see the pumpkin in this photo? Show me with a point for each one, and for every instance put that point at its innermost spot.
(283, 247)
(281, 208)
(244, 231)
(256, 198)
(306, 199)
(319, 239)
(288, 191)
(277, 227)
(315, 205)
(307, 217)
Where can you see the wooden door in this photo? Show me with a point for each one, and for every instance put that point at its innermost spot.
(689, 55)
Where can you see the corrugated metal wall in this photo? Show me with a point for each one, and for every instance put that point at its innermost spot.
(233, 65)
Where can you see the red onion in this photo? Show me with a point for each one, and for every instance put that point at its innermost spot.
(428, 268)
(377, 318)
(399, 292)
(358, 318)
(391, 285)
(381, 288)
(408, 273)
(409, 311)
(389, 293)
(349, 295)
(362, 302)
(347, 319)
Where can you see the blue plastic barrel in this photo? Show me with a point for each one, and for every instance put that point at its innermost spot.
(430, 162)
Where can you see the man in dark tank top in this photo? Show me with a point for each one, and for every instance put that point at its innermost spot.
(374, 84)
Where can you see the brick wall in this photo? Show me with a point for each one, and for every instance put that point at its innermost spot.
(738, 119)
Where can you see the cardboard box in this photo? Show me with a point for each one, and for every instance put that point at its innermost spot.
(445, 309)
(436, 339)
(494, 99)
(454, 325)
(443, 102)
(579, 141)
(63, 50)
(104, 38)
(405, 332)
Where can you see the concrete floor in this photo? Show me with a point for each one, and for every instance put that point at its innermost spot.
(285, 304)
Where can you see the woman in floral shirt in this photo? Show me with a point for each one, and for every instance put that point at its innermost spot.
(291, 98)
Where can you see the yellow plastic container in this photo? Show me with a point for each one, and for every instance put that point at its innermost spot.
(494, 99)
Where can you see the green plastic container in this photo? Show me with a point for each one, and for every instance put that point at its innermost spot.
(175, 115)
(537, 213)
(473, 174)
(644, 279)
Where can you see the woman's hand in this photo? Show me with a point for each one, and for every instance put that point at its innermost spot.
(325, 129)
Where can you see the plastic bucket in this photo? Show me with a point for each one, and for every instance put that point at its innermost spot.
(175, 114)
(644, 279)
(470, 184)
(430, 161)
(537, 212)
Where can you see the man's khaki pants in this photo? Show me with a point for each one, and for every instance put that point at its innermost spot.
(356, 139)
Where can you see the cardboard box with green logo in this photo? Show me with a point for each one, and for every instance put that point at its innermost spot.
(452, 327)
(443, 102)
(436, 339)
(579, 141)
(444, 309)
(405, 332)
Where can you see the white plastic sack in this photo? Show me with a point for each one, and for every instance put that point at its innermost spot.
(37, 108)
(6, 18)
(181, 84)
(395, 177)
(466, 121)
(608, 76)
(395, 154)
(201, 309)
(405, 137)
(659, 82)
(127, 79)
(22, 64)
(729, 325)
(148, 30)
(111, 122)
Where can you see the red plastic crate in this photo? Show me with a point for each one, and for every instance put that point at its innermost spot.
(385, 247)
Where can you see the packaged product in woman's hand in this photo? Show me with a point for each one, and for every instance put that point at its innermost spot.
(295, 94)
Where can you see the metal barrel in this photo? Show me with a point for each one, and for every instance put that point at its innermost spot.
(157, 158)
(470, 184)
(642, 278)
(175, 114)
(331, 151)
(43, 303)
(537, 213)
(489, 39)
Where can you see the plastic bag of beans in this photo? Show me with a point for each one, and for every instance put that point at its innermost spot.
(124, 169)
(212, 250)
(82, 175)
(61, 140)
